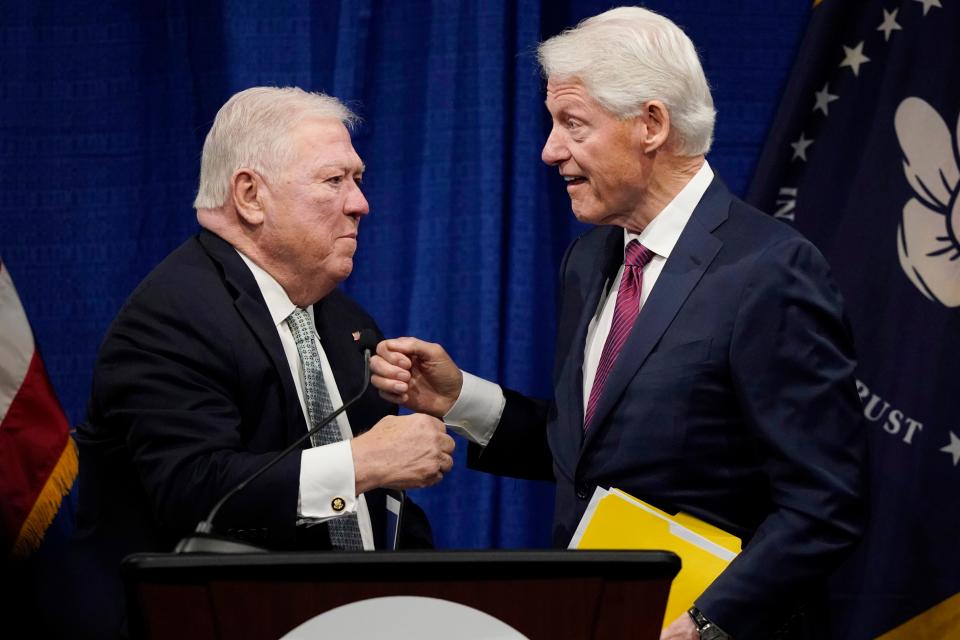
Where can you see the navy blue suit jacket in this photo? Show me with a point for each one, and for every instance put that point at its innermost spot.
(191, 394)
(733, 400)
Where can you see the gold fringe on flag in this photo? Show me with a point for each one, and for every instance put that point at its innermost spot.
(941, 622)
(48, 502)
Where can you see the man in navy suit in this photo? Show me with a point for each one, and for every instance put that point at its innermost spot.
(217, 360)
(703, 360)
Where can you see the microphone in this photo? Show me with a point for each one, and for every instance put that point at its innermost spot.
(204, 540)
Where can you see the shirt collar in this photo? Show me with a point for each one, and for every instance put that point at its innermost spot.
(664, 230)
(278, 302)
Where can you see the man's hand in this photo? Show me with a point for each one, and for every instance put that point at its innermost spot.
(417, 374)
(402, 452)
(682, 628)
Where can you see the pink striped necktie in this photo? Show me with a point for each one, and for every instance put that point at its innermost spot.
(624, 314)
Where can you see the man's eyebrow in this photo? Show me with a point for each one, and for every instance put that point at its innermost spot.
(342, 166)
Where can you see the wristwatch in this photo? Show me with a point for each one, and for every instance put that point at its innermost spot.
(706, 629)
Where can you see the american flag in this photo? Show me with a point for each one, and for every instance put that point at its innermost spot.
(38, 459)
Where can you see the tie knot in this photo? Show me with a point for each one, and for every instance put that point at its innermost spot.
(299, 323)
(637, 255)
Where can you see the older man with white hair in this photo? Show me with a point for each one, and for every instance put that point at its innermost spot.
(703, 363)
(236, 345)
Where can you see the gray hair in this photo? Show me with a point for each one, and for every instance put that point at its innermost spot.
(251, 129)
(628, 56)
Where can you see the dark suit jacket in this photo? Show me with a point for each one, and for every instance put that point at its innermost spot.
(733, 400)
(192, 393)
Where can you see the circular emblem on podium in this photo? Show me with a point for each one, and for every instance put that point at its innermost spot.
(405, 618)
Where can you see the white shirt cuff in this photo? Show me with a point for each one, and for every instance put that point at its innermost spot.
(477, 412)
(327, 478)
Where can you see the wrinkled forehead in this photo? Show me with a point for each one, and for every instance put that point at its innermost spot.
(561, 86)
(567, 93)
(323, 141)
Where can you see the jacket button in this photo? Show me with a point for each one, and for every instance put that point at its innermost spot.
(583, 491)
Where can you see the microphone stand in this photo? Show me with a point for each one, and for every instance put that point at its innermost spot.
(204, 539)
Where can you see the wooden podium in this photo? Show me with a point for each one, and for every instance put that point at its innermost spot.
(542, 594)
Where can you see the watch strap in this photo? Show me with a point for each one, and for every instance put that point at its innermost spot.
(707, 629)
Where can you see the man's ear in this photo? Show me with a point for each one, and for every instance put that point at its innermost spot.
(656, 131)
(248, 190)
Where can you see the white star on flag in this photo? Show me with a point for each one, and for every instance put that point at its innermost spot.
(953, 448)
(929, 3)
(800, 147)
(853, 58)
(889, 24)
(824, 98)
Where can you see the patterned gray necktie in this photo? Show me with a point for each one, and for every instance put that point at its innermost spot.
(344, 530)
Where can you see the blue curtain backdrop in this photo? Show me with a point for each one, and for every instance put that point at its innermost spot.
(104, 107)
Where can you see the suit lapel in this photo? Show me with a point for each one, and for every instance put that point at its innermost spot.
(336, 336)
(250, 305)
(603, 265)
(691, 256)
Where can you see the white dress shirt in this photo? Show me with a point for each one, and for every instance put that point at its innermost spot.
(478, 409)
(325, 472)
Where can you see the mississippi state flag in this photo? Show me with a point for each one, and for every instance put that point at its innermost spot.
(38, 458)
(864, 159)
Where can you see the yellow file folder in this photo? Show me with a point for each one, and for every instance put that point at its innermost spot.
(616, 520)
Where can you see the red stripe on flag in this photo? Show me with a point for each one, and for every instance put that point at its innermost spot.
(33, 435)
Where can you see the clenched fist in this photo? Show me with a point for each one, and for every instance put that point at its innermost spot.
(416, 374)
(402, 452)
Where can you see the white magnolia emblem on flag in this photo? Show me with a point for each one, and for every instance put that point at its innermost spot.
(928, 238)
